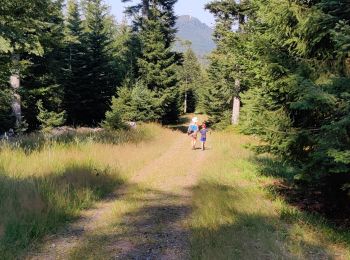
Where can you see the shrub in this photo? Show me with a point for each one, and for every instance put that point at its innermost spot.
(136, 104)
(49, 119)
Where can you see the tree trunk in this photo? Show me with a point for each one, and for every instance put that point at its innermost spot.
(236, 106)
(15, 84)
(185, 103)
(145, 8)
(347, 66)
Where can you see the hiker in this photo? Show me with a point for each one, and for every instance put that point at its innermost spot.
(193, 131)
(204, 130)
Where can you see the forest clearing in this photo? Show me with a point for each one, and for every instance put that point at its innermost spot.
(153, 198)
(106, 108)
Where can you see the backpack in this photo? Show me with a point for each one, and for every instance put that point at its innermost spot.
(191, 129)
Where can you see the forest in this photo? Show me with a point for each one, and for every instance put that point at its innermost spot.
(291, 72)
(279, 76)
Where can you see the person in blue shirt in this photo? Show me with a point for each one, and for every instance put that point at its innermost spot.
(193, 131)
(204, 130)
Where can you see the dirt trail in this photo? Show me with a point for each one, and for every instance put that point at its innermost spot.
(156, 229)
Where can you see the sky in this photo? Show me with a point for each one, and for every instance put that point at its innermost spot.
(183, 7)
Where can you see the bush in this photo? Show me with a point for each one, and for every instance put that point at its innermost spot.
(136, 104)
(49, 119)
(113, 117)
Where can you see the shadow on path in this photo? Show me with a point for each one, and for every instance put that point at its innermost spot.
(153, 231)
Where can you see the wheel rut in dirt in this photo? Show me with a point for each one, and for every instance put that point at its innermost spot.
(156, 229)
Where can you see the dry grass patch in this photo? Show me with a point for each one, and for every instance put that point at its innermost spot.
(45, 184)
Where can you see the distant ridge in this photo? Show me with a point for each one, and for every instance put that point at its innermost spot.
(200, 34)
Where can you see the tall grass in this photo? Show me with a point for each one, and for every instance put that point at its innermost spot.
(37, 141)
(236, 217)
(46, 181)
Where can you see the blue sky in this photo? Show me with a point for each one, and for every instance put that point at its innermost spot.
(190, 7)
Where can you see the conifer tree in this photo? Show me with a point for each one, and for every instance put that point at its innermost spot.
(190, 74)
(157, 63)
(201, 91)
(165, 15)
(74, 63)
(298, 101)
(136, 103)
(218, 96)
(127, 48)
(228, 14)
(49, 119)
(157, 67)
(7, 119)
(98, 81)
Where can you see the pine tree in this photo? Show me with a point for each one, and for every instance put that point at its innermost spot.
(49, 119)
(98, 81)
(157, 68)
(74, 63)
(136, 103)
(190, 74)
(157, 64)
(219, 94)
(225, 59)
(298, 101)
(165, 15)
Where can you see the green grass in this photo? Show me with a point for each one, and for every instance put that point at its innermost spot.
(47, 181)
(38, 141)
(237, 217)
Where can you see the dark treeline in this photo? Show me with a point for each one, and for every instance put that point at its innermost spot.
(68, 65)
(73, 63)
(287, 61)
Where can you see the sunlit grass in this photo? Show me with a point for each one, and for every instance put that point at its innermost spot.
(236, 217)
(235, 214)
(42, 187)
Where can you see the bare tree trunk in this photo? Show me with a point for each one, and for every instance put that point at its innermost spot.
(15, 84)
(185, 103)
(347, 66)
(145, 8)
(236, 105)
